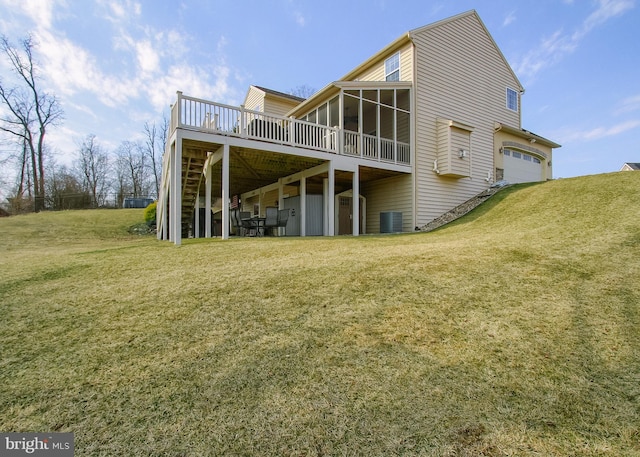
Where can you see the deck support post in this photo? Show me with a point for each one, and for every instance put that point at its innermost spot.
(331, 190)
(225, 192)
(175, 193)
(303, 206)
(196, 210)
(356, 202)
(207, 201)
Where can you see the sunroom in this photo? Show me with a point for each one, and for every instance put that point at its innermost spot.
(374, 117)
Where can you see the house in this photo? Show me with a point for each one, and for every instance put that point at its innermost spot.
(630, 166)
(423, 125)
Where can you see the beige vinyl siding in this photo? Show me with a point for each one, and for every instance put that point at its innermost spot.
(254, 98)
(390, 194)
(376, 71)
(281, 107)
(460, 75)
(268, 103)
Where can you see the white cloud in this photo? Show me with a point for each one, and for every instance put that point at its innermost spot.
(629, 104)
(559, 44)
(120, 10)
(40, 12)
(606, 10)
(155, 65)
(551, 50)
(135, 80)
(300, 20)
(509, 18)
(598, 133)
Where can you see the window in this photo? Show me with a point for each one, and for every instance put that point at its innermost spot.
(512, 99)
(507, 152)
(527, 157)
(516, 155)
(536, 160)
(392, 68)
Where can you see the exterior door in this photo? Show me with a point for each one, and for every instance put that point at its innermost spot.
(345, 215)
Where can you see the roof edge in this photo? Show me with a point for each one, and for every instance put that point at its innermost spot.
(526, 134)
(474, 13)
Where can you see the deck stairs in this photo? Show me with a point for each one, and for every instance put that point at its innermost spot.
(192, 168)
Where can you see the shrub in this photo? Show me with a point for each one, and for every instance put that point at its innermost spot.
(150, 213)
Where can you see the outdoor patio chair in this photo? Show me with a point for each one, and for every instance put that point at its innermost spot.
(234, 221)
(246, 223)
(271, 219)
(283, 217)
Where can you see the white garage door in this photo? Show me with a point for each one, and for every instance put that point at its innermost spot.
(521, 167)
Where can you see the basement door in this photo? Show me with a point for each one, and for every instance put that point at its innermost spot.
(345, 215)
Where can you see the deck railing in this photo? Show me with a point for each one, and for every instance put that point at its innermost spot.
(374, 148)
(207, 116)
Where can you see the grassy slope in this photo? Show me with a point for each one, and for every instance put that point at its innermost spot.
(514, 331)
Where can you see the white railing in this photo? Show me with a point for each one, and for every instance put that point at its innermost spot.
(202, 115)
(351, 143)
(369, 147)
(374, 148)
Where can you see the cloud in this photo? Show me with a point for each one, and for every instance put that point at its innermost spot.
(120, 10)
(554, 48)
(598, 133)
(629, 104)
(41, 12)
(509, 18)
(153, 64)
(300, 20)
(606, 10)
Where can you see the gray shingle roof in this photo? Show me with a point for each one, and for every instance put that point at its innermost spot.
(279, 94)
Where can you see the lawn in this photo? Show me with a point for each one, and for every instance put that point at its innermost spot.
(514, 331)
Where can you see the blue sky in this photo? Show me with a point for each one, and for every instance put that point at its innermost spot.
(115, 64)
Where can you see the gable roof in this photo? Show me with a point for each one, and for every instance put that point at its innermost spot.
(275, 93)
(402, 41)
(473, 13)
(408, 37)
(632, 165)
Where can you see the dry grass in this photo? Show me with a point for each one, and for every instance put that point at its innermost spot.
(513, 331)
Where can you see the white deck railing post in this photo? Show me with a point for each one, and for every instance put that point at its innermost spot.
(291, 130)
(243, 122)
(179, 110)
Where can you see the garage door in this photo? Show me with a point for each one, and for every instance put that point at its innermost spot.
(521, 167)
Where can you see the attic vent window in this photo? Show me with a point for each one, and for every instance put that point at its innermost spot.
(392, 68)
(512, 99)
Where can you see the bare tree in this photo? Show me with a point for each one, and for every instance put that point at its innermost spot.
(132, 170)
(121, 184)
(65, 190)
(93, 166)
(30, 111)
(302, 91)
(150, 150)
(153, 148)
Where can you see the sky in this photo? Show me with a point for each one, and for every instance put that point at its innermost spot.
(116, 64)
